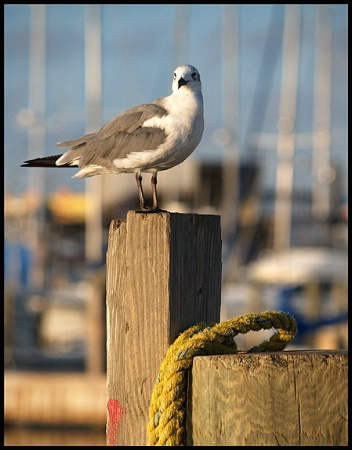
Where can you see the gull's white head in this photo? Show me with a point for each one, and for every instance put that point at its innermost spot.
(186, 77)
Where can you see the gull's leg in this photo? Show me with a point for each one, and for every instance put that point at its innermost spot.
(154, 181)
(140, 190)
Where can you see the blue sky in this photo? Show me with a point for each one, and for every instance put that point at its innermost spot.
(141, 45)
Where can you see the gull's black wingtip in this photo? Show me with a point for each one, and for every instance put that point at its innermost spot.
(46, 161)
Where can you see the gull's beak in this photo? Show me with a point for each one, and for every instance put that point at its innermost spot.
(181, 82)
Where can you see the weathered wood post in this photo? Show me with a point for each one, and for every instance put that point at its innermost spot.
(163, 276)
(297, 398)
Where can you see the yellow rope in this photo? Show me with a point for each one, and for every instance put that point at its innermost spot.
(167, 413)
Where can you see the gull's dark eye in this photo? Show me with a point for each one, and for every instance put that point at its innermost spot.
(174, 75)
(194, 75)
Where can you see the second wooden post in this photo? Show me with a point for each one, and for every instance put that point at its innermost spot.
(163, 276)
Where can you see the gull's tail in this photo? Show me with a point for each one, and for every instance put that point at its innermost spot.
(47, 161)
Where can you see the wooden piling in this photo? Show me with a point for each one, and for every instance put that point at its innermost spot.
(163, 276)
(290, 398)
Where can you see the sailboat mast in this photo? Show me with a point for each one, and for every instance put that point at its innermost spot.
(322, 172)
(93, 89)
(286, 128)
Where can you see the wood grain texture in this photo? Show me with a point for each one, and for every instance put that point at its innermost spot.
(282, 398)
(163, 276)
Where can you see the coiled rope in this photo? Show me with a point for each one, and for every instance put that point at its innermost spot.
(167, 413)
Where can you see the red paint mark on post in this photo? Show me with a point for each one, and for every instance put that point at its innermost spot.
(115, 412)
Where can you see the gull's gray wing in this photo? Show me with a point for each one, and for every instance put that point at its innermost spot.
(122, 135)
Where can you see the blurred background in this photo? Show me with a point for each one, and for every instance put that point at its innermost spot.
(272, 162)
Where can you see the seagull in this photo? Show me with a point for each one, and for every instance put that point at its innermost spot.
(145, 139)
